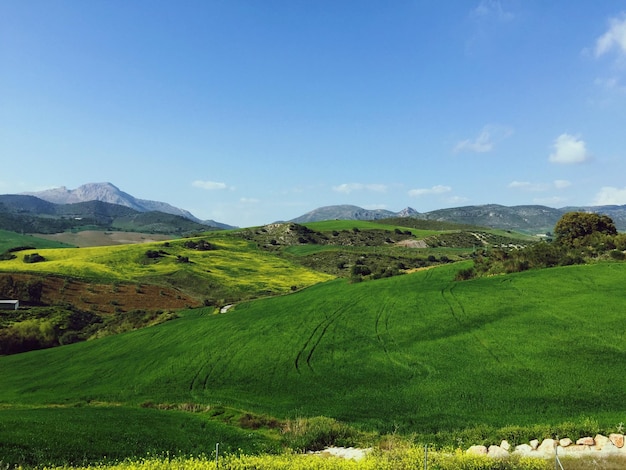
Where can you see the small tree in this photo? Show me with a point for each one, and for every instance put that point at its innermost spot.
(576, 229)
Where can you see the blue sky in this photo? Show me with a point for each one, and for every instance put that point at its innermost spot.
(248, 112)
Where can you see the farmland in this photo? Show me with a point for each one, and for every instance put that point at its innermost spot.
(416, 353)
(420, 355)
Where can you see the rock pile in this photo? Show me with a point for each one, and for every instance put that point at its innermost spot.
(585, 446)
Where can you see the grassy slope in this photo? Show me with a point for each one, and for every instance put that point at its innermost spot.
(246, 271)
(418, 351)
(78, 435)
(330, 225)
(12, 239)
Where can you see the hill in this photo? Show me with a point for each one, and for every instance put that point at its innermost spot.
(92, 200)
(104, 285)
(531, 219)
(107, 192)
(418, 353)
(20, 213)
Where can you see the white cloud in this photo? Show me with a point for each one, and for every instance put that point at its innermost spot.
(491, 9)
(569, 149)
(350, 187)
(209, 185)
(485, 141)
(609, 195)
(615, 37)
(562, 184)
(438, 189)
(249, 200)
(537, 187)
(528, 186)
(612, 84)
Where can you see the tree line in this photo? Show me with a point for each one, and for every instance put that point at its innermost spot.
(579, 237)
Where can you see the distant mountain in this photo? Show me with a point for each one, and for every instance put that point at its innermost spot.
(345, 212)
(107, 192)
(24, 213)
(529, 218)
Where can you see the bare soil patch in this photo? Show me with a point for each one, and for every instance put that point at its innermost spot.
(108, 298)
(88, 238)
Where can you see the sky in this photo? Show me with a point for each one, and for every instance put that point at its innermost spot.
(253, 111)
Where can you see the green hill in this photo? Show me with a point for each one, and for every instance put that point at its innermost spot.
(418, 353)
(10, 240)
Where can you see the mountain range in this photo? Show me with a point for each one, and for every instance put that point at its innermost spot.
(100, 206)
(107, 192)
(535, 219)
(106, 205)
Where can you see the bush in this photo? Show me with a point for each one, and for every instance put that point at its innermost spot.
(33, 258)
(317, 433)
(465, 274)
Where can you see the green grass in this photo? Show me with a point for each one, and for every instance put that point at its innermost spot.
(236, 267)
(10, 240)
(338, 225)
(418, 352)
(78, 435)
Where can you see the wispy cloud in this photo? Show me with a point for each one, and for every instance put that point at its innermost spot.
(209, 185)
(438, 189)
(350, 187)
(249, 200)
(613, 38)
(528, 186)
(562, 184)
(491, 9)
(613, 84)
(609, 195)
(569, 149)
(488, 137)
(539, 187)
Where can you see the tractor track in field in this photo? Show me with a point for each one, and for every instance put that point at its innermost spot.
(377, 328)
(446, 294)
(316, 337)
(409, 363)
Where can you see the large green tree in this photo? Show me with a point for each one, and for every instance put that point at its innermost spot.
(576, 229)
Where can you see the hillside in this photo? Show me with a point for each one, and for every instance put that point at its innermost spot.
(418, 353)
(109, 193)
(21, 213)
(215, 269)
(532, 219)
(102, 285)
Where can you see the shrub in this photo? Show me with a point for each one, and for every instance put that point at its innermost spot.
(317, 433)
(33, 258)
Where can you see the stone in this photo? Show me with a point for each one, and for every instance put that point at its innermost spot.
(534, 444)
(505, 445)
(523, 449)
(565, 442)
(497, 452)
(585, 441)
(477, 450)
(547, 447)
(601, 441)
(617, 440)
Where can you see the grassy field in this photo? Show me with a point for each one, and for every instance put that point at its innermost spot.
(337, 225)
(234, 266)
(538, 352)
(12, 239)
(85, 238)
